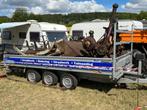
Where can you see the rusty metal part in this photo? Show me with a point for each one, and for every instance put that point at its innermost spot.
(106, 42)
(2, 76)
(68, 48)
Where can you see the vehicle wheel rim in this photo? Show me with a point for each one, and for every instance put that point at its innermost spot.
(31, 77)
(67, 82)
(48, 80)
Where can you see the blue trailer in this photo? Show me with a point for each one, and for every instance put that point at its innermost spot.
(69, 70)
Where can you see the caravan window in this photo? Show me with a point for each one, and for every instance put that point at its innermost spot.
(7, 35)
(35, 36)
(22, 35)
(77, 34)
(55, 36)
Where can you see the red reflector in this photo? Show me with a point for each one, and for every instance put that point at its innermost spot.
(137, 108)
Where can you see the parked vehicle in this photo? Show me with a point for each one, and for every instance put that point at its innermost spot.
(82, 29)
(24, 34)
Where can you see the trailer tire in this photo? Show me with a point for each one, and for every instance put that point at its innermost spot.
(69, 81)
(33, 76)
(49, 78)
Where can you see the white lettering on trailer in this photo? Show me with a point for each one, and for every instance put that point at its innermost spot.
(83, 64)
(27, 60)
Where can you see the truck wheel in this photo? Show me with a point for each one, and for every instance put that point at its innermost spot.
(69, 81)
(33, 76)
(49, 78)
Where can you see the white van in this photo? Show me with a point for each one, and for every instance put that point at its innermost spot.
(82, 29)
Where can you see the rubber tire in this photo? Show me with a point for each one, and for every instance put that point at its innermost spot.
(73, 79)
(37, 76)
(52, 75)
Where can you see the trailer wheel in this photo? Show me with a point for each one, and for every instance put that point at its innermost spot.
(33, 76)
(69, 81)
(49, 78)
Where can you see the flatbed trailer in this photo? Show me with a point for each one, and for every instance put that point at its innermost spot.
(69, 70)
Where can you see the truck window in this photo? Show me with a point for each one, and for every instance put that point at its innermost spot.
(55, 36)
(22, 35)
(35, 36)
(6, 35)
(77, 34)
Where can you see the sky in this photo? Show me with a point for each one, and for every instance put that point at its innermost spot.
(7, 7)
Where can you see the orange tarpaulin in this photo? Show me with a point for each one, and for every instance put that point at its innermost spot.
(139, 36)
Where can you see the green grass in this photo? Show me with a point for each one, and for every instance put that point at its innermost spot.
(16, 95)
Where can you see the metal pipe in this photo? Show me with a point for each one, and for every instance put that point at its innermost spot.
(132, 40)
(139, 73)
(114, 51)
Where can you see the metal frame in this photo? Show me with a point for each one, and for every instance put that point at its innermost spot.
(115, 58)
(116, 61)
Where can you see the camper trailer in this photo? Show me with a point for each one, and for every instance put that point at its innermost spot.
(82, 29)
(23, 34)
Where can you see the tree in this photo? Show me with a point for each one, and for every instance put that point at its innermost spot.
(4, 19)
(142, 15)
(20, 14)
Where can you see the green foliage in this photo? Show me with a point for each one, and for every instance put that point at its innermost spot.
(4, 19)
(127, 16)
(21, 14)
(142, 15)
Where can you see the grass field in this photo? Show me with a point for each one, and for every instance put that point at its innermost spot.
(16, 95)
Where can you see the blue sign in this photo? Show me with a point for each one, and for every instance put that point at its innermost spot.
(67, 64)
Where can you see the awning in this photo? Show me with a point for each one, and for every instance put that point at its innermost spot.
(13, 24)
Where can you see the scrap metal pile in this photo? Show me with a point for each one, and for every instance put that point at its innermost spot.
(84, 47)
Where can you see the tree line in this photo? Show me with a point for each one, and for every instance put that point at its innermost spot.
(21, 14)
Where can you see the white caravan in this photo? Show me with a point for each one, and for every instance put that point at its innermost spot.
(82, 29)
(23, 34)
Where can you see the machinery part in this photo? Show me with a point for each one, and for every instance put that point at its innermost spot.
(144, 67)
(18, 50)
(2, 76)
(49, 78)
(27, 44)
(33, 76)
(91, 33)
(137, 55)
(106, 42)
(69, 81)
(102, 51)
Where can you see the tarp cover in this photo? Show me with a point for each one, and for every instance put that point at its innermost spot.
(13, 24)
